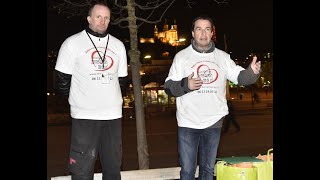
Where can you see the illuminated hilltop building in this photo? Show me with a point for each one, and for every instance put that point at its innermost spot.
(169, 36)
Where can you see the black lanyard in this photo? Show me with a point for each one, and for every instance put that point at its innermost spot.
(104, 55)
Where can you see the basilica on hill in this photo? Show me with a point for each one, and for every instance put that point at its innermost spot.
(166, 36)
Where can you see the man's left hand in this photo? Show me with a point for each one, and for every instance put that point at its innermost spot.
(255, 66)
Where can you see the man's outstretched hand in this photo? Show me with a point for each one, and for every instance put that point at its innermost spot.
(255, 66)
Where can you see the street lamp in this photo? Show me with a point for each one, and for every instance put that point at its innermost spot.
(147, 56)
(182, 40)
(179, 42)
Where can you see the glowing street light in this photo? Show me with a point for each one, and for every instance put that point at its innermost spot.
(182, 39)
(147, 57)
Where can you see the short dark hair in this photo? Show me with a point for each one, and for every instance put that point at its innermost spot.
(203, 17)
(95, 4)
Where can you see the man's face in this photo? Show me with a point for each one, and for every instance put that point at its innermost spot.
(202, 32)
(99, 19)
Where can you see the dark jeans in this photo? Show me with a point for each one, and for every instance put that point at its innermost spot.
(90, 138)
(189, 141)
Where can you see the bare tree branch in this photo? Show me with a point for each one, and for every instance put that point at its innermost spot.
(149, 6)
(220, 1)
(119, 21)
(71, 8)
(147, 21)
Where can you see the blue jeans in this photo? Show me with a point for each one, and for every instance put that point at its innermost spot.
(189, 141)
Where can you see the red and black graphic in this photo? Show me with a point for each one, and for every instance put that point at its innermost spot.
(206, 74)
(102, 65)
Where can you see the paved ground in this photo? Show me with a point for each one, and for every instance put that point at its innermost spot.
(256, 136)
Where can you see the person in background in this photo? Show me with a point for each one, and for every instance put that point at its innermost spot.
(230, 118)
(197, 78)
(256, 97)
(91, 68)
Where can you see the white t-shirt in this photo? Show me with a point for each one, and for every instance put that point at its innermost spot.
(95, 91)
(202, 108)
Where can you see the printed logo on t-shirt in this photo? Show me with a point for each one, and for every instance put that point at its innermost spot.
(208, 71)
(99, 64)
(103, 69)
(207, 74)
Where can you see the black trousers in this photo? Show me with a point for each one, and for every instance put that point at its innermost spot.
(90, 138)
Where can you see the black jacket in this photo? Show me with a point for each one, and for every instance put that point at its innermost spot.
(63, 82)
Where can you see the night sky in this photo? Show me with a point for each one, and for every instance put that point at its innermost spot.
(248, 24)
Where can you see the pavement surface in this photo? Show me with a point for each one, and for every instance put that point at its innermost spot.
(255, 137)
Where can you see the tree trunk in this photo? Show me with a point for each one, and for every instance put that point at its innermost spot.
(134, 54)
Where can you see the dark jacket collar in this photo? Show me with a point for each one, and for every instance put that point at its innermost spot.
(90, 31)
(211, 47)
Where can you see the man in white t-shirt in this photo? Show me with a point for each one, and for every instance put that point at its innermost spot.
(91, 68)
(197, 78)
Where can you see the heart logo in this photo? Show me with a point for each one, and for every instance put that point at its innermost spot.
(96, 60)
(206, 74)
